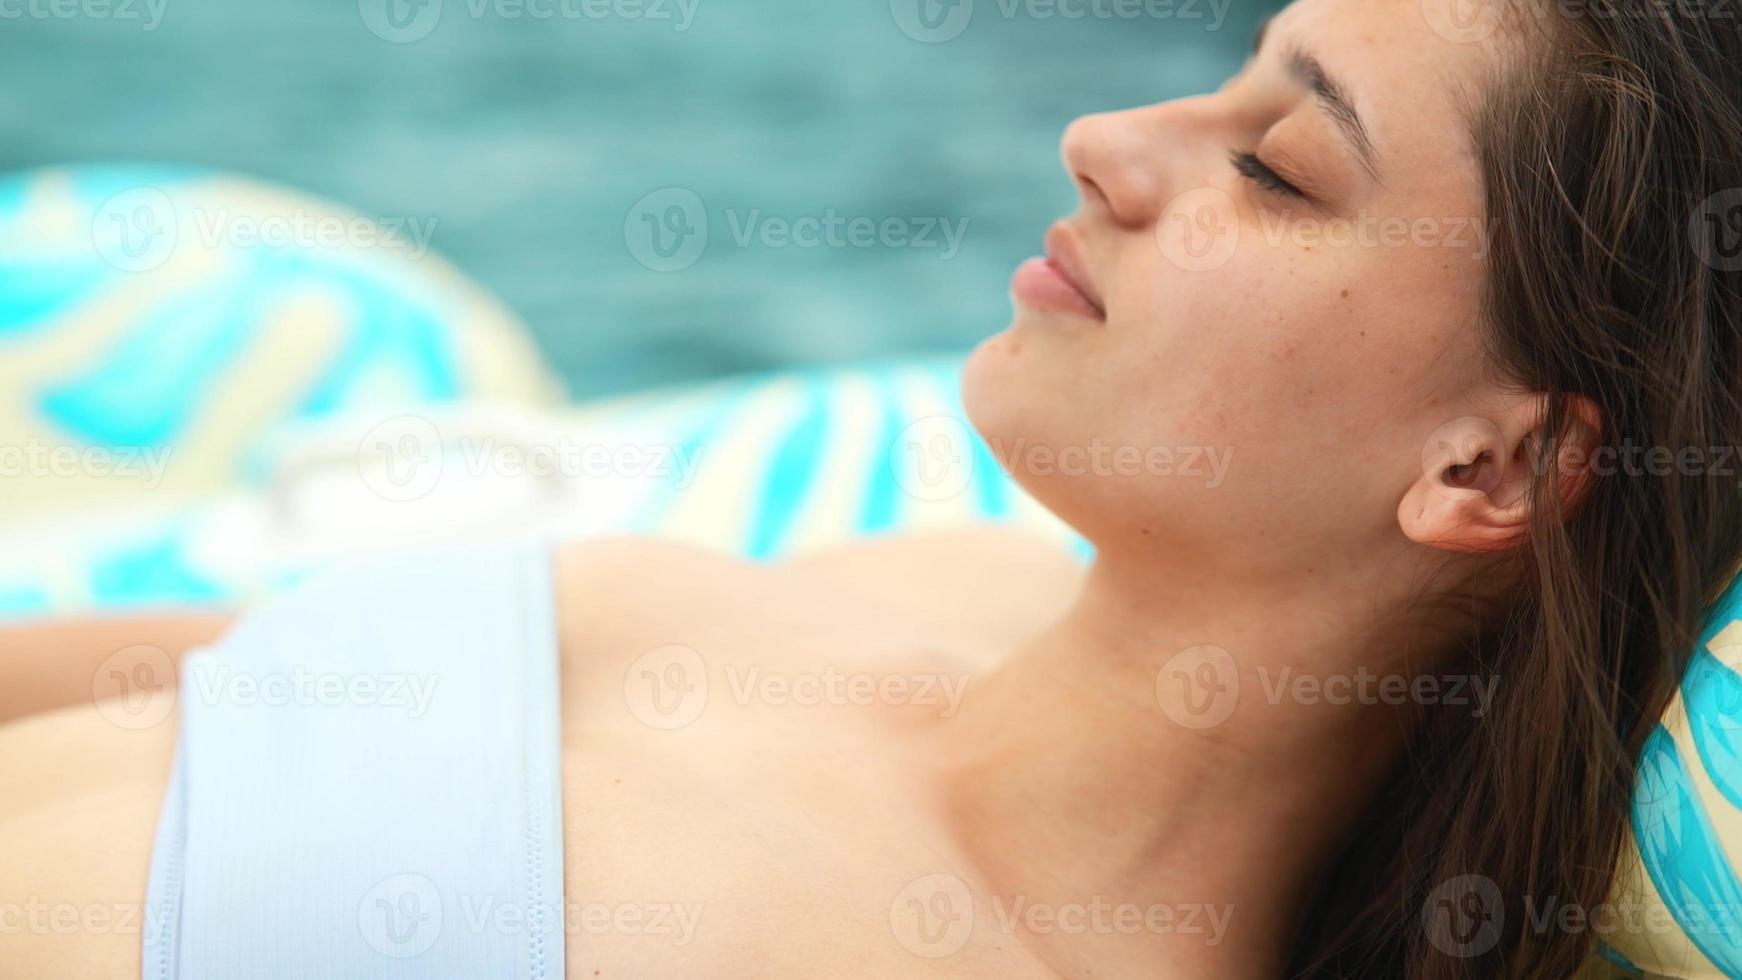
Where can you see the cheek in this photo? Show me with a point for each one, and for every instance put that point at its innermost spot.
(1309, 371)
(1292, 360)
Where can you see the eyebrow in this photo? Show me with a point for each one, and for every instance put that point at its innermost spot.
(1331, 96)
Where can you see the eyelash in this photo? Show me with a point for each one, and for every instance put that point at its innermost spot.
(1250, 167)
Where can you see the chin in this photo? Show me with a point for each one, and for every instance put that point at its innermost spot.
(1015, 405)
(995, 392)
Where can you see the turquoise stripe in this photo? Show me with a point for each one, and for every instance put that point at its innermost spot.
(22, 600)
(150, 384)
(151, 573)
(697, 447)
(882, 493)
(791, 471)
(1713, 694)
(33, 291)
(387, 328)
(1682, 854)
(1616, 958)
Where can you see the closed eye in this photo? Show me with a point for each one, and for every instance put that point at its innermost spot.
(1250, 167)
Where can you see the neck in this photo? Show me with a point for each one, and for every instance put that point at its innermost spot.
(1163, 745)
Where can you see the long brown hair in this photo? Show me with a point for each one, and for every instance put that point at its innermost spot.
(1611, 156)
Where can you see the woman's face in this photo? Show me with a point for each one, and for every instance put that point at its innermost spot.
(1274, 305)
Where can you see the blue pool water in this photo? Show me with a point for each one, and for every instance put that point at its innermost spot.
(868, 171)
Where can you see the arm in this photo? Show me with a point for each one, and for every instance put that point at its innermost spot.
(53, 664)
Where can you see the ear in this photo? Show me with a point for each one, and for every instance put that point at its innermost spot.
(1473, 494)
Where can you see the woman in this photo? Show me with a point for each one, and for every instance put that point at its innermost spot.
(1421, 280)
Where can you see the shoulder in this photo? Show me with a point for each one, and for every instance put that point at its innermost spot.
(974, 589)
(988, 575)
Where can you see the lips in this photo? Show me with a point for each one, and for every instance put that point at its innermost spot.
(1063, 251)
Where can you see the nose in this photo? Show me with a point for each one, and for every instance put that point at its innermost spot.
(1130, 163)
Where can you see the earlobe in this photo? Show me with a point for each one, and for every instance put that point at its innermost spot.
(1474, 491)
